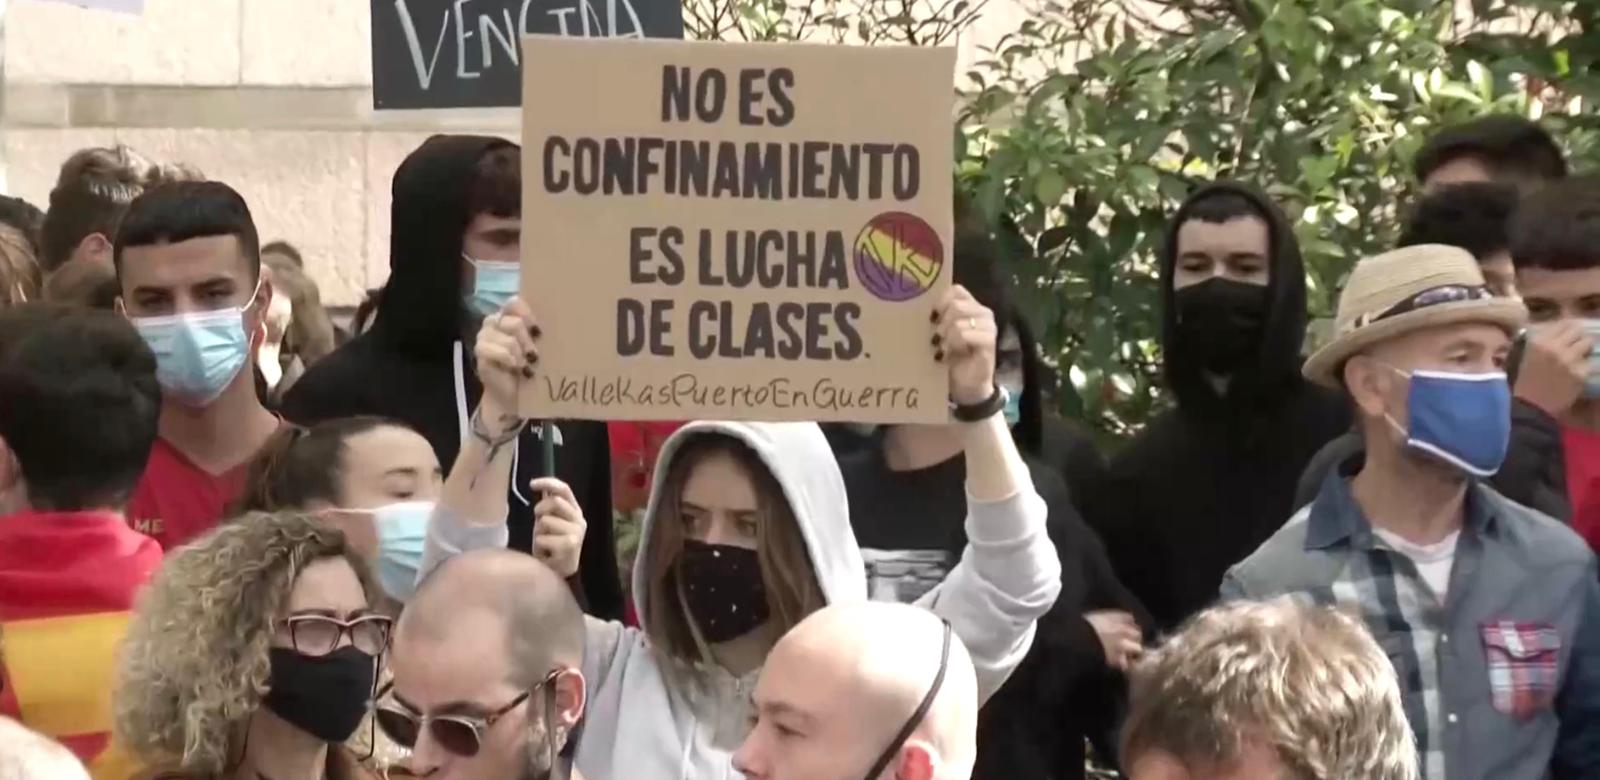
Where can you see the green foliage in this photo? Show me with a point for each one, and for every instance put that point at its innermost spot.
(1086, 126)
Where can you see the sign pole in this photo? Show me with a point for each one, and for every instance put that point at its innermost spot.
(5, 183)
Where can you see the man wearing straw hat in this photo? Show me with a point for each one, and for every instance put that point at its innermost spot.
(1489, 611)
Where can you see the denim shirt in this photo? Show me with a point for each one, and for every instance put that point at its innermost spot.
(1502, 680)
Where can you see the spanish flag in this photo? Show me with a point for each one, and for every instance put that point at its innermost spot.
(67, 585)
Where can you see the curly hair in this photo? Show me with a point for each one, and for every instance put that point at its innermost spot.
(194, 664)
(1309, 683)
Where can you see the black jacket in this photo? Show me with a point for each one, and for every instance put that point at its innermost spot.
(415, 364)
(1534, 474)
(910, 528)
(1204, 484)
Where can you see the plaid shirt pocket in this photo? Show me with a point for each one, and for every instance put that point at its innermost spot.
(1522, 666)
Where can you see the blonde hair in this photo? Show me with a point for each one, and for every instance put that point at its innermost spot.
(20, 276)
(310, 336)
(194, 664)
(1306, 682)
(786, 567)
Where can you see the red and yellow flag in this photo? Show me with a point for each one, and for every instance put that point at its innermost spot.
(67, 585)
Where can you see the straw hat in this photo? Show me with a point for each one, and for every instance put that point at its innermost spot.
(1384, 298)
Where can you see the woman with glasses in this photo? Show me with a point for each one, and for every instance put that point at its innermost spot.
(254, 654)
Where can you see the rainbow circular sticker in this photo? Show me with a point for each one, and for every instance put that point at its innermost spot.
(898, 256)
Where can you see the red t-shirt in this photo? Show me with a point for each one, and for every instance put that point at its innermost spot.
(177, 501)
(1582, 449)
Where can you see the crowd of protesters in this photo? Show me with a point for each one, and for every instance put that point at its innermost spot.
(238, 540)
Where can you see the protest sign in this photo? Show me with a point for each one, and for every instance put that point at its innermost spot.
(121, 6)
(464, 53)
(736, 231)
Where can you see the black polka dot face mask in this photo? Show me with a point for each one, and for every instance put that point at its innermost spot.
(722, 588)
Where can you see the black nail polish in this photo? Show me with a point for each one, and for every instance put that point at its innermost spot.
(934, 317)
(534, 331)
(939, 355)
(530, 357)
(936, 339)
(527, 372)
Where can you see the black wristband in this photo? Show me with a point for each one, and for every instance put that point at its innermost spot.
(982, 410)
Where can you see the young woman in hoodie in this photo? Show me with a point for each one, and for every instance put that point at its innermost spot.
(747, 533)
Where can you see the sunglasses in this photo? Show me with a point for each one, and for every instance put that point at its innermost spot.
(1433, 296)
(318, 635)
(461, 735)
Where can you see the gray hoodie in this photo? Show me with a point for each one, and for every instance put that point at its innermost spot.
(650, 717)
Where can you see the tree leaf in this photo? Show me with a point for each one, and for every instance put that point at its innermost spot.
(1049, 187)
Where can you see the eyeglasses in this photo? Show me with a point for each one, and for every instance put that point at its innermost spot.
(1433, 296)
(459, 734)
(317, 635)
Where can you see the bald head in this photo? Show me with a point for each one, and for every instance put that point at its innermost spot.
(494, 635)
(841, 684)
(25, 755)
(510, 594)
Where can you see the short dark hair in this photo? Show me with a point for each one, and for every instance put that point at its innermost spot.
(92, 192)
(1222, 206)
(496, 187)
(300, 465)
(1557, 228)
(1475, 216)
(179, 211)
(81, 402)
(287, 250)
(25, 217)
(1514, 148)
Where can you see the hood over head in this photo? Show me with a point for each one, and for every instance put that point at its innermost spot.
(1275, 366)
(422, 311)
(798, 456)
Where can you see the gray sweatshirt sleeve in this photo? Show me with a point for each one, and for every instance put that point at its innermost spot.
(449, 536)
(1007, 579)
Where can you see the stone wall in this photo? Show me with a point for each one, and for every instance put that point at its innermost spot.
(271, 96)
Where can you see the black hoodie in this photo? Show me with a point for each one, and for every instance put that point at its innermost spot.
(415, 364)
(1207, 482)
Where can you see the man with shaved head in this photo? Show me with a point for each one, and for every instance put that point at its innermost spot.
(486, 663)
(868, 690)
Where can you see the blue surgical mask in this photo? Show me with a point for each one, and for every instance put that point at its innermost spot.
(1462, 419)
(1013, 407)
(402, 529)
(197, 354)
(493, 283)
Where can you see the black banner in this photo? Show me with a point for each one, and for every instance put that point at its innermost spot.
(465, 53)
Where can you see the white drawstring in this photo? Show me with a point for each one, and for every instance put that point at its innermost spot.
(465, 423)
(461, 392)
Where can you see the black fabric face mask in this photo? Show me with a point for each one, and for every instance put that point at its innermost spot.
(1221, 322)
(722, 588)
(324, 696)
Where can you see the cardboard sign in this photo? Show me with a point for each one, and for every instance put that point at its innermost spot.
(465, 53)
(120, 6)
(736, 231)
